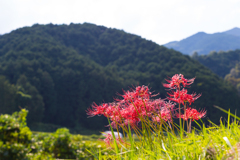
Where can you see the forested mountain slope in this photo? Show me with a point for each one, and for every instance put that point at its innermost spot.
(224, 64)
(64, 68)
(219, 62)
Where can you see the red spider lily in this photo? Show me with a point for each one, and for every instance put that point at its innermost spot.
(135, 105)
(177, 80)
(108, 139)
(139, 92)
(163, 115)
(179, 95)
(96, 110)
(182, 97)
(143, 92)
(192, 114)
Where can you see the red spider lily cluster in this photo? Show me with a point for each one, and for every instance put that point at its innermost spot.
(109, 139)
(192, 114)
(179, 94)
(177, 80)
(135, 105)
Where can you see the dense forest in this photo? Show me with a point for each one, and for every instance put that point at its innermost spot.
(58, 71)
(219, 62)
(225, 64)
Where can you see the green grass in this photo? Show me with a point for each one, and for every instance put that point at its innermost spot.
(212, 142)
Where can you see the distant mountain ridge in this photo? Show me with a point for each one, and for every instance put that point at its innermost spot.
(235, 31)
(203, 43)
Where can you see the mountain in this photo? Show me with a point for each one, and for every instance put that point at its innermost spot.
(58, 71)
(224, 64)
(203, 43)
(235, 32)
(219, 62)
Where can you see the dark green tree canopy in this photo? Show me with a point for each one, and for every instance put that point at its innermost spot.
(219, 62)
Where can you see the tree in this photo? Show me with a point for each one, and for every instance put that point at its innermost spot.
(35, 103)
(8, 96)
(234, 77)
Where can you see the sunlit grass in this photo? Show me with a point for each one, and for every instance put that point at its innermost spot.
(214, 142)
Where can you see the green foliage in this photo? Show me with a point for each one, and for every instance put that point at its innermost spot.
(15, 136)
(33, 101)
(18, 143)
(10, 151)
(8, 96)
(44, 127)
(94, 136)
(234, 77)
(62, 146)
(219, 62)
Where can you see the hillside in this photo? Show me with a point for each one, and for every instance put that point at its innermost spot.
(203, 43)
(65, 68)
(224, 64)
(219, 62)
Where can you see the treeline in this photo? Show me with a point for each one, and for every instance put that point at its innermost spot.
(224, 64)
(58, 71)
(219, 62)
(234, 77)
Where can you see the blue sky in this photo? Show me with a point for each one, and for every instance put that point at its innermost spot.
(161, 21)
